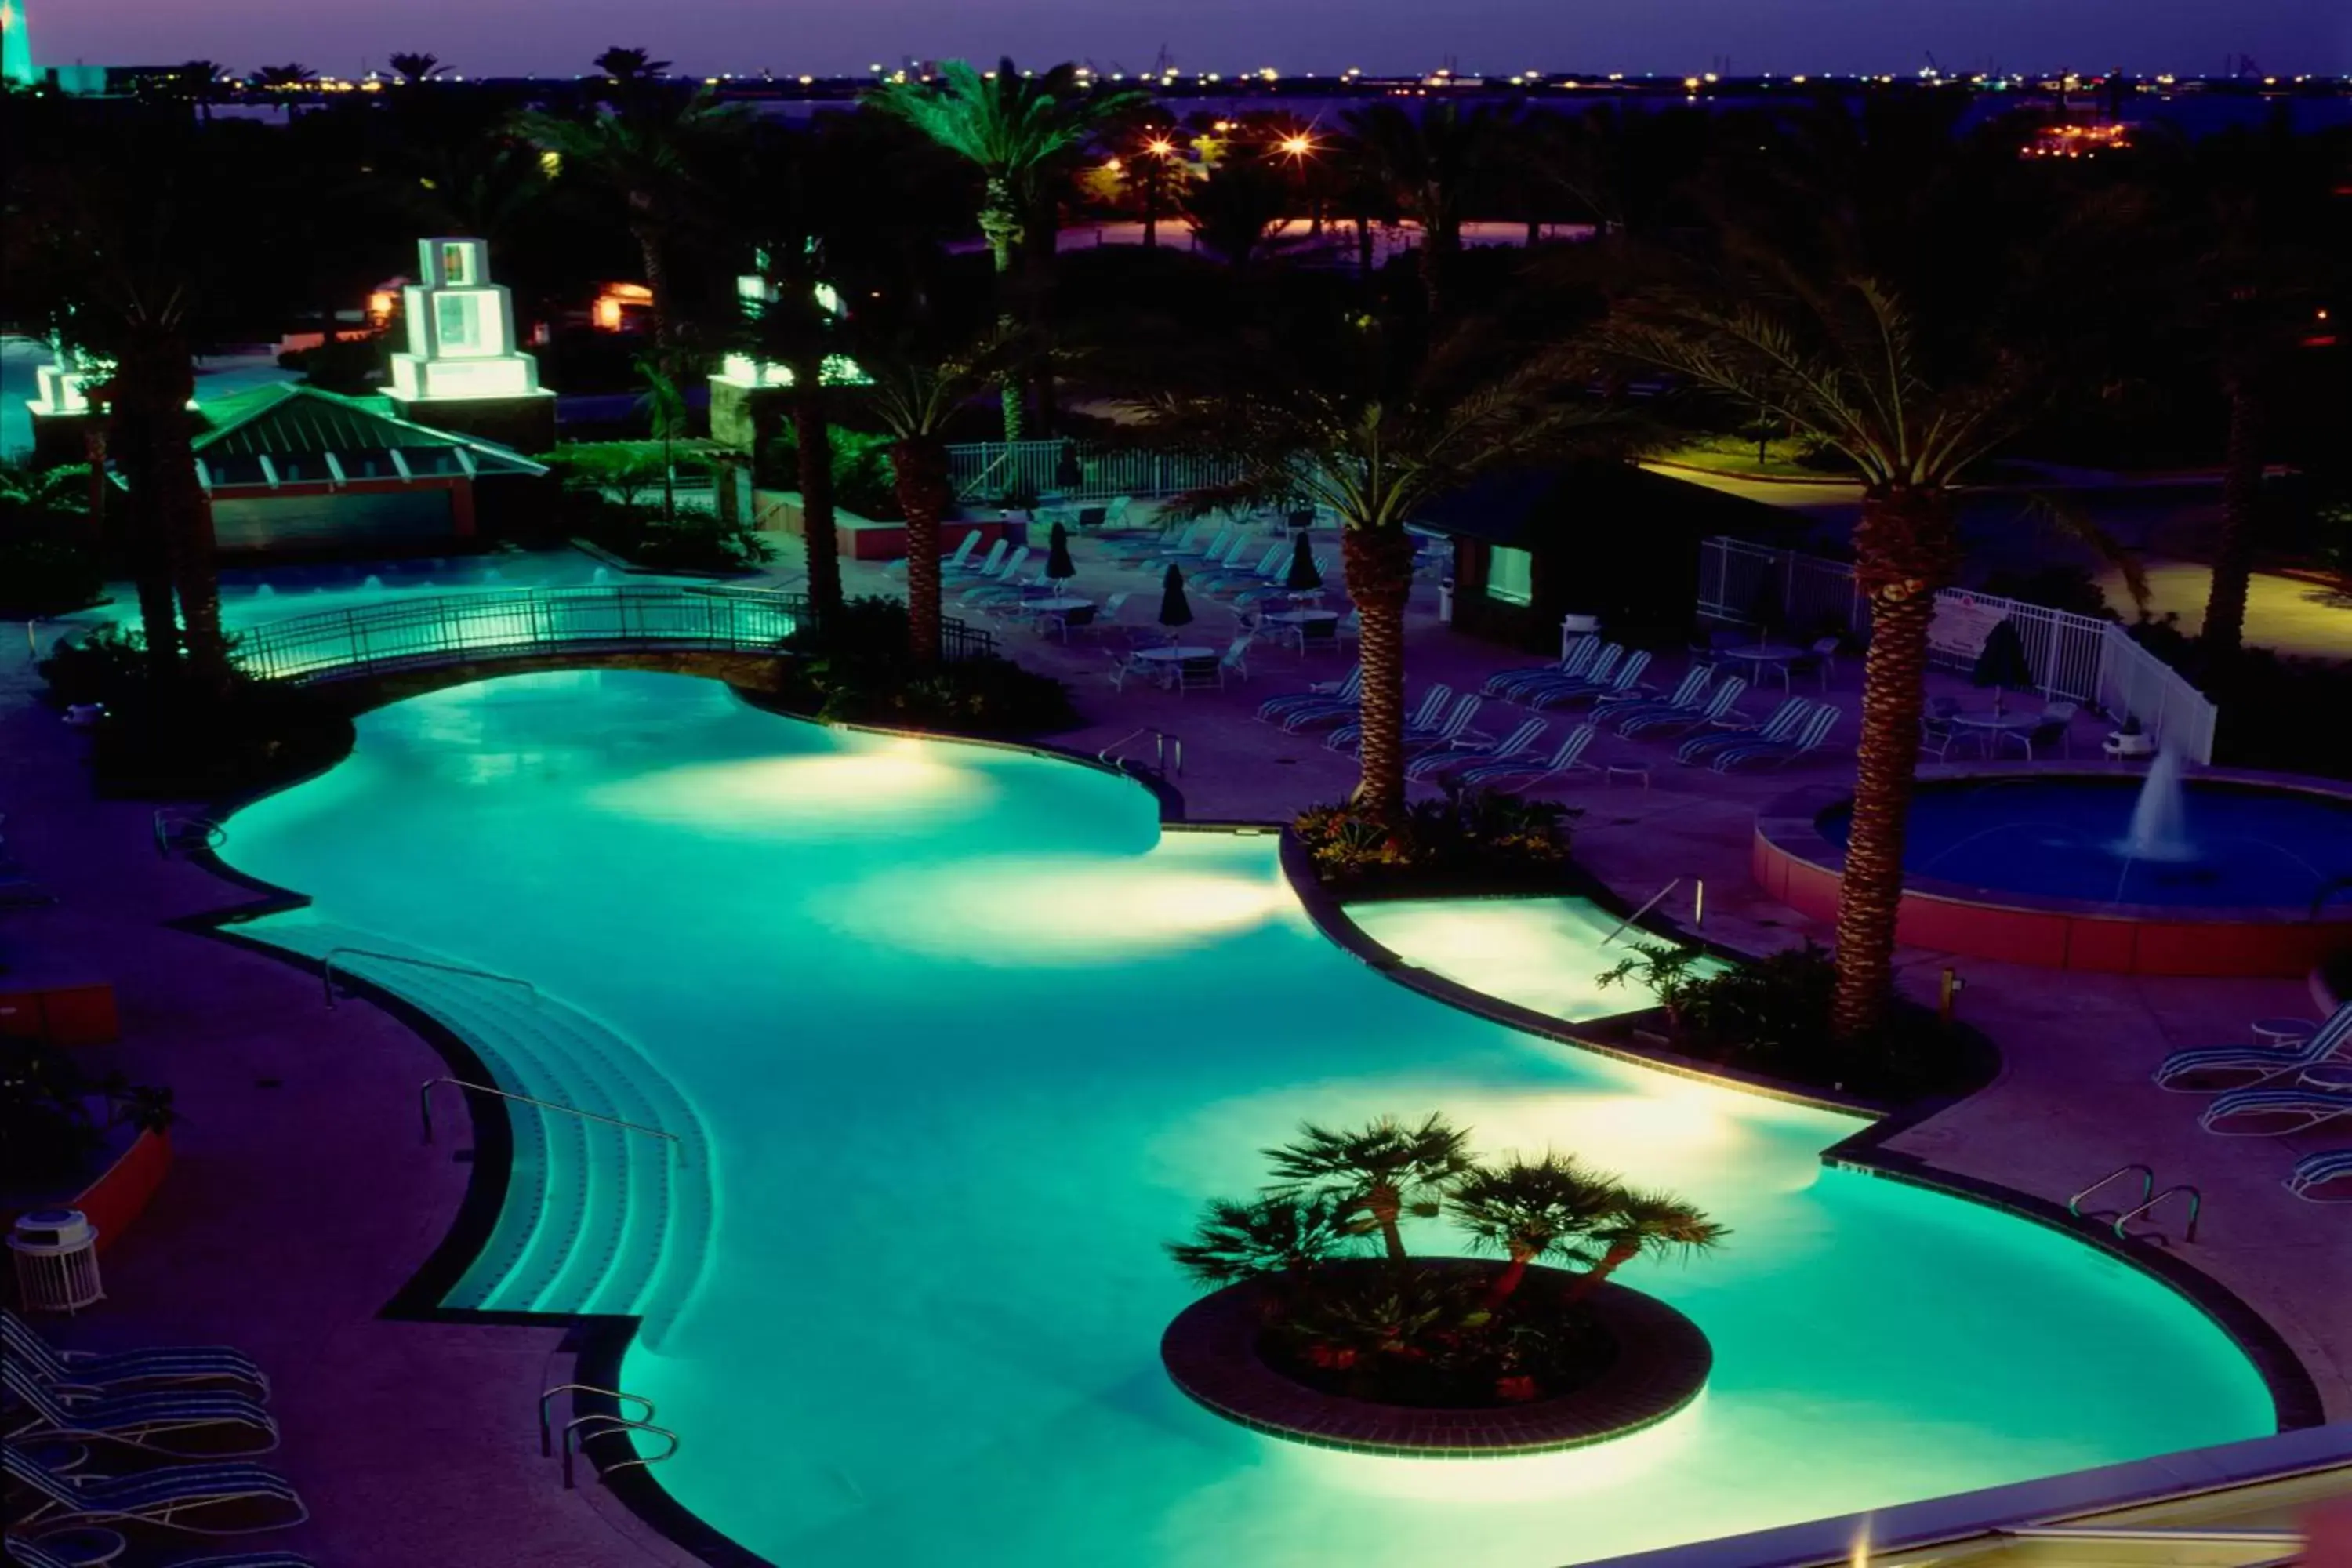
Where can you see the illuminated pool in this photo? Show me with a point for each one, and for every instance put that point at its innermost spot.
(960, 1036)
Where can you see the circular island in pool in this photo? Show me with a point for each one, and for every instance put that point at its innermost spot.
(1656, 1363)
(2100, 868)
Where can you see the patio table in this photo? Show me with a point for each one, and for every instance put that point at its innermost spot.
(1991, 726)
(1296, 623)
(1762, 654)
(1162, 663)
(2283, 1031)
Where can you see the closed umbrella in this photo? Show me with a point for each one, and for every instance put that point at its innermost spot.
(1304, 578)
(1175, 610)
(2003, 663)
(1059, 567)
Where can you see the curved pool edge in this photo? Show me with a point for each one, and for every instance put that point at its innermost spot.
(1794, 862)
(2296, 1400)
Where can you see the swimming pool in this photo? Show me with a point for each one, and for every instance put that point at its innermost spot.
(960, 1037)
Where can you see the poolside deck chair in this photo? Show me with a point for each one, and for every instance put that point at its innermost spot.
(1434, 766)
(988, 565)
(1426, 716)
(1454, 726)
(1611, 706)
(1228, 560)
(1625, 685)
(1573, 661)
(1602, 669)
(1219, 542)
(1344, 711)
(177, 1497)
(1165, 544)
(1511, 777)
(2265, 1113)
(1007, 583)
(159, 1421)
(1780, 753)
(2213, 1070)
(1274, 709)
(2056, 728)
(1779, 727)
(1937, 734)
(1682, 721)
(2323, 1178)
(26, 1552)
(1234, 660)
(128, 1369)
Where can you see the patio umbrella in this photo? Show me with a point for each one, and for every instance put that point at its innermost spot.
(2002, 662)
(1059, 567)
(1302, 578)
(1175, 610)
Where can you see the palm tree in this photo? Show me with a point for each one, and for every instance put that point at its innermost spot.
(288, 79)
(1433, 163)
(201, 80)
(664, 401)
(415, 69)
(652, 153)
(1268, 1238)
(1014, 127)
(1374, 1174)
(1528, 1212)
(1375, 455)
(1841, 364)
(629, 68)
(1657, 1224)
(1236, 205)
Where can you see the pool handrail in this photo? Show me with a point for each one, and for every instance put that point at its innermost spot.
(2146, 1187)
(1698, 904)
(547, 1433)
(2196, 1206)
(611, 1423)
(327, 969)
(425, 1108)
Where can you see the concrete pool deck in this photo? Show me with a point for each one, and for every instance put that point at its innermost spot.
(296, 1211)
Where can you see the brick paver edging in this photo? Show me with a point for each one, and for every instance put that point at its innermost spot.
(1662, 1363)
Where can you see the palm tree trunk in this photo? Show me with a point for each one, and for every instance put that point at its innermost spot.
(1380, 580)
(1619, 1255)
(146, 535)
(999, 222)
(920, 468)
(2242, 484)
(814, 435)
(1363, 247)
(186, 513)
(1905, 550)
(1385, 1203)
(1508, 1281)
(656, 271)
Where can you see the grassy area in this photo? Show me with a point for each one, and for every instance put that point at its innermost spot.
(1737, 456)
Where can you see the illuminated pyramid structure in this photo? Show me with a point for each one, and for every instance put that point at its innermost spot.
(746, 401)
(462, 371)
(16, 44)
(61, 403)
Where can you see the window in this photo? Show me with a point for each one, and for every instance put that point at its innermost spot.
(1510, 576)
(454, 320)
(456, 264)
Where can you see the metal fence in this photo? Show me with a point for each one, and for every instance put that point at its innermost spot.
(2077, 658)
(1075, 471)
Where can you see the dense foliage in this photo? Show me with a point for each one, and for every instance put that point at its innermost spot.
(857, 670)
(1440, 1332)
(863, 482)
(54, 1116)
(2278, 713)
(49, 559)
(1469, 841)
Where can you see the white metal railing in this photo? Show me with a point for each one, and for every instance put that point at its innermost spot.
(2078, 657)
(984, 470)
(453, 627)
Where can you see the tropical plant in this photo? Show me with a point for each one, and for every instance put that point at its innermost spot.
(663, 403)
(1645, 1222)
(1667, 971)
(201, 81)
(1432, 162)
(1016, 128)
(1840, 362)
(48, 555)
(1236, 205)
(1267, 1237)
(1375, 1175)
(1532, 1211)
(629, 67)
(415, 69)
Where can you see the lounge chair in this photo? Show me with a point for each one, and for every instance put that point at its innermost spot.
(1230, 561)
(1446, 731)
(120, 1370)
(2323, 1178)
(1163, 545)
(1611, 706)
(1234, 660)
(1604, 666)
(26, 1552)
(1518, 744)
(165, 1498)
(2213, 1070)
(1779, 727)
(1682, 721)
(1006, 583)
(1425, 717)
(157, 1421)
(1780, 753)
(1625, 685)
(1501, 775)
(1574, 660)
(1274, 709)
(2265, 1113)
(1219, 542)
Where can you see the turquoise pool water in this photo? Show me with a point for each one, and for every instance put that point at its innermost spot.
(970, 1037)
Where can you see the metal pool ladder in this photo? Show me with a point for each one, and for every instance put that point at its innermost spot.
(425, 1108)
(327, 969)
(2149, 1199)
(575, 1436)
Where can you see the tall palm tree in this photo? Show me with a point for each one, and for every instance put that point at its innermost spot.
(652, 151)
(1375, 448)
(1375, 1173)
(1841, 364)
(1267, 1237)
(415, 69)
(1433, 163)
(1235, 205)
(1657, 1224)
(1014, 128)
(630, 68)
(288, 80)
(1530, 1211)
(202, 81)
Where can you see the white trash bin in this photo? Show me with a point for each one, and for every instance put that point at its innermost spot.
(56, 1260)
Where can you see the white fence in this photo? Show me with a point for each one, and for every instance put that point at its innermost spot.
(2072, 657)
(984, 470)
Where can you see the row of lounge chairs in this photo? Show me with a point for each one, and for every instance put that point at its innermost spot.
(190, 1414)
(2272, 1091)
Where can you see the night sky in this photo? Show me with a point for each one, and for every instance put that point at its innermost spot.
(556, 36)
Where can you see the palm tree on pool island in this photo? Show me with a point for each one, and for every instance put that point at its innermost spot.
(1532, 1211)
(1840, 362)
(1657, 1224)
(1377, 1173)
(1275, 1237)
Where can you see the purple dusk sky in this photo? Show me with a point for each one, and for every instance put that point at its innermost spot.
(556, 36)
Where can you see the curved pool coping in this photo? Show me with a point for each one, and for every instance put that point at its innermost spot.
(1795, 862)
(1210, 1353)
(599, 1342)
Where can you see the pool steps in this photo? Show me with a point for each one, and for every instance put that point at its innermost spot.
(598, 1218)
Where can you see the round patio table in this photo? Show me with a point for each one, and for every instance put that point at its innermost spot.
(1762, 654)
(1059, 605)
(2283, 1031)
(1163, 662)
(1989, 726)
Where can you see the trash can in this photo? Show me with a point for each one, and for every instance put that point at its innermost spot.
(1446, 601)
(56, 1260)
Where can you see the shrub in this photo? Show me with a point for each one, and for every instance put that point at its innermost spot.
(351, 366)
(863, 479)
(1471, 839)
(45, 1122)
(857, 670)
(48, 558)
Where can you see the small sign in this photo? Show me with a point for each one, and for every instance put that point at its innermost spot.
(1962, 623)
